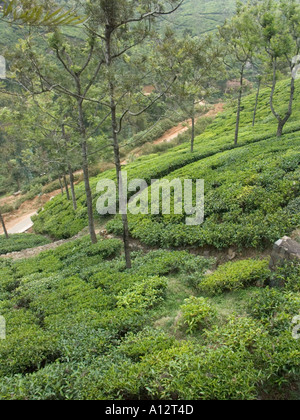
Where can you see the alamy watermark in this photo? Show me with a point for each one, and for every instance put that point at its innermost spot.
(296, 329)
(2, 67)
(160, 197)
(296, 67)
(2, 328)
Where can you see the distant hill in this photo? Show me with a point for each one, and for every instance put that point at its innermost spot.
(196, 16)
(201, 16)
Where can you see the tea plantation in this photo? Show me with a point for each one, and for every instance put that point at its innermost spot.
(18, 242)
(176, 326)
(251, 192)
(79, 326)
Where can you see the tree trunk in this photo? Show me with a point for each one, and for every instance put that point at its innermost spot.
(67, 188)
(280, 128)
(256, 103)
(61, 185)
(85, 168)
(281, 121)
(126, 237)
(88, 192)
(72, 188)
(4, 227)
(19, 184)
(114, 123)
(238, 116)
(193, 134)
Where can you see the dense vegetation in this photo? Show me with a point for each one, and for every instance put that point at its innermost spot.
(252, 192)
(81, 327)
(94, 318)
(210, 13)
(19, 242)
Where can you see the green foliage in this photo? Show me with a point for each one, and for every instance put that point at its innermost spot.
(248, 204)
(143, 295)
(197, 314)
(22, 241)
(18, 11)
(235, 276)
(81, 327)
(146, 342)
(275, 308)
(211, 13)
(287, 275)
(27, 347)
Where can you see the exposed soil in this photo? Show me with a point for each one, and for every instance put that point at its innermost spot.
(34, 252)
(21, 217)
(173, 133)
(181, 128)
(26, 210)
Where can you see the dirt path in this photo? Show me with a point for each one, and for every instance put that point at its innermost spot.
(174, 132)
(34, 252)
(23, 225)
(19, 221)
(181, 128)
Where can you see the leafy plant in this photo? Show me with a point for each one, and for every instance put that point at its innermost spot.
(197, 313)
(235, 276)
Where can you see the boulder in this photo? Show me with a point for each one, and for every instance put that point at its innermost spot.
(284, 250)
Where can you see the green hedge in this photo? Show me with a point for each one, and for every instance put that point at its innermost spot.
(21, 241)
(236, 275)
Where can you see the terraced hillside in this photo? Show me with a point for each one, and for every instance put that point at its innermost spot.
(201, 16)
(252, 191)
(81, 326)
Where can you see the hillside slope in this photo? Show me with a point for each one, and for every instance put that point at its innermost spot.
(201, 16)
(248, 204)
(175, 326)
(197, 16)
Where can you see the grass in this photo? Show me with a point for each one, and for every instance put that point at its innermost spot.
(165, 316)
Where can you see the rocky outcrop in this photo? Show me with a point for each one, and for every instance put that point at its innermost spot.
(284, 250)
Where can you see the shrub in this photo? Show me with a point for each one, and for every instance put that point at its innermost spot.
(288, 275)
(21, 241)
(54, 382)
(235, 275)
(197, 314)
(274, 308)
(146, 342)
(27, 347)
(143, 295)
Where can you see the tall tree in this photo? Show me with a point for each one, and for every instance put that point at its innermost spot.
(122, 25)
(240, 37)
(280, 29)
(196, 64)
(72, 72)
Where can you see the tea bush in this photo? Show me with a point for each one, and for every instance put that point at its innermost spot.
(275, 308)
(235, 276)
(91, 334)
(288, 275)
(247, 204)
(18, 242)
(197, 314)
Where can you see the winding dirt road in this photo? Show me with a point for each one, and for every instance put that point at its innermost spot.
(19, 221)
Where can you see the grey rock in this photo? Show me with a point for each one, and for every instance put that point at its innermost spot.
(284, 250)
